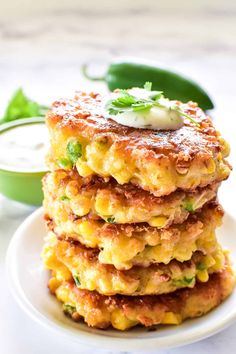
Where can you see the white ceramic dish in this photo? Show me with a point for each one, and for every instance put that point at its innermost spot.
(28, 282)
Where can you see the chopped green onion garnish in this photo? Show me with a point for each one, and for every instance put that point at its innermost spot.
(64, 163)
(64, 197)
(188, 206)
(184, 282)
(69, 309)
(77, 280)
(188, 281)
(201, 266)
(74, 151)
(111, 220)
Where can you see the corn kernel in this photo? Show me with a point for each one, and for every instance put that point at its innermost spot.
(63, 294)
(53, 284)
(209, 261)
(83, 168)
(171, 318)
(225, 146)
(121, 322)
(158, 221)
(85, 228)
(103, 206)
(72, 189)
(203, 275)
(81, 205)
(211, 166)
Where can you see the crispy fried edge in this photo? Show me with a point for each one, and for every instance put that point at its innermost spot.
(137, 275)
(127, 195)
(99, 310)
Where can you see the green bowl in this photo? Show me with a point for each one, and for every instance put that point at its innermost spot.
(24, 187)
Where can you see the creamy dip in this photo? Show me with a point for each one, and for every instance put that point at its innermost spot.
(23, 148)
(156, 118)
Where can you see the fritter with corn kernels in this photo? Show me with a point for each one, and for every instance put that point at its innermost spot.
(106, 279)
(124, 312)
(111, 202)
(142, 243)
(157, 161)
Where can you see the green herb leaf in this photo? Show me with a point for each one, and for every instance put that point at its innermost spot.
(178, 109)
(69, 309)
(64, 163)
(111, 220)
(126, 102)
(20, 106)
(77, 280)
(148, 86)
(156, 95)
(74, 151)
(142, 106)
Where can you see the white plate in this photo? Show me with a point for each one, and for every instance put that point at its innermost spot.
(28, 282)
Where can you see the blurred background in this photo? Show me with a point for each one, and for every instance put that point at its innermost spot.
(42, 47)
(43, 43)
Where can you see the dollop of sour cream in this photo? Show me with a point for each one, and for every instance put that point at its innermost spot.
(155, 118)
(23, 148)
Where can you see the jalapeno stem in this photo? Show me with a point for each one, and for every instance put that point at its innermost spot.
(84, 69)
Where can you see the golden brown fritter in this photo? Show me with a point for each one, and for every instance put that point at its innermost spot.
(138, 244)
(156, 279)
(111, 202)
(157, 161)
(123, 312)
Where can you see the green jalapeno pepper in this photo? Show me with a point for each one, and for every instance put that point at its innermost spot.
(124, 75)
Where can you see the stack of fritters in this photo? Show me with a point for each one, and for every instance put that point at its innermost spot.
(131, 215)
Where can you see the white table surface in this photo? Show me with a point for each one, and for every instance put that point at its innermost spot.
(42, 45)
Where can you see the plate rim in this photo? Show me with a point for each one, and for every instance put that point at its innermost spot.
(107, 342)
